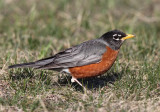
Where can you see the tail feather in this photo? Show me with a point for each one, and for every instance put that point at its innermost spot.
(35, 64)
(31, 64)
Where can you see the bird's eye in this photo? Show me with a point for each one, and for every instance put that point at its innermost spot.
(116, 37)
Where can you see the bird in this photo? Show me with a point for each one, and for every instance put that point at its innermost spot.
(88, 59)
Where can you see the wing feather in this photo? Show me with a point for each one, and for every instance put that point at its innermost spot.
(86, 53)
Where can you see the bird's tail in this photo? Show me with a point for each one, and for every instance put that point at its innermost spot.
(31, 64)
(36, 64)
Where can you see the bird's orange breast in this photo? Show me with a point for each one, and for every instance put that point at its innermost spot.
(91, 70)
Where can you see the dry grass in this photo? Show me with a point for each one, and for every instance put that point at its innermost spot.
(33, 29)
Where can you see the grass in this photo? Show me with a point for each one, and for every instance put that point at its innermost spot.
(34, 29)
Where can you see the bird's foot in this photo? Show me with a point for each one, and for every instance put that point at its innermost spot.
(75, 80)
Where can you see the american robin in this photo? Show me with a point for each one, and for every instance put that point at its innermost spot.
(88, 59)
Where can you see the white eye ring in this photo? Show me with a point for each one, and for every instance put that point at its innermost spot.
(115, 38)
(114, 35)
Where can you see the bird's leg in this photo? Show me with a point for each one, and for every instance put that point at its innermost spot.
(75, 80)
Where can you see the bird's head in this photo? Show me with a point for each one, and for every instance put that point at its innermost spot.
(115, 38)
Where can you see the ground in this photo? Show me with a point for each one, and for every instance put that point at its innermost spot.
(34, 29)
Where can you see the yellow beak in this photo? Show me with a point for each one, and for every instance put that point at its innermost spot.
(128, 36)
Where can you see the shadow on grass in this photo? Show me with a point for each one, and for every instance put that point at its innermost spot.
(90, 83)
(93, 82)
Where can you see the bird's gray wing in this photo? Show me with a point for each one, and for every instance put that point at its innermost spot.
(86, 53)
